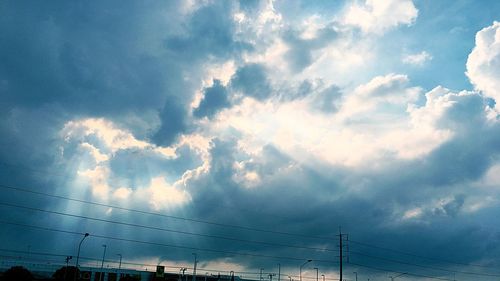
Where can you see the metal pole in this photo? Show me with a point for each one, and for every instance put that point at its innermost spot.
(102, 263)
(355, 273)
(119, 266)
(340, 249)
(300, 270)
(194, 269)
(279, 272)
(261, 274)
(316, 273)
(78, 255)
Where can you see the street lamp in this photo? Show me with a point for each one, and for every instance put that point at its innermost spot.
(300, 271)
(183, 271)
(316, 273)
(79, 246)
(78, 254)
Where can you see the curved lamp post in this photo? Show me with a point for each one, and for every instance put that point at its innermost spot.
(300, 271)
(79, 246)
(78, 254)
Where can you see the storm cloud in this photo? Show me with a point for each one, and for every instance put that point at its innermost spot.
(249, 133)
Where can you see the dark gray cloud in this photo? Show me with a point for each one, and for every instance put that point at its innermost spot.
(251, 79)
(208, 31)
(214, 99)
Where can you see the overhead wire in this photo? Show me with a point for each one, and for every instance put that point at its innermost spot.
(423, 266)
(237, 227)
(162, 215)
(124, 262)
(401, 272)
(165, 229)
(163, 244)
(419, 256)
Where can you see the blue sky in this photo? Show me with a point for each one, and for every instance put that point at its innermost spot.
(256, 129)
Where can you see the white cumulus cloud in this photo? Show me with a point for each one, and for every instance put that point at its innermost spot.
(377, 16)
(483, 64)
(417, 59)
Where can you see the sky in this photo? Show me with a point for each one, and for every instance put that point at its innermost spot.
(252, 134)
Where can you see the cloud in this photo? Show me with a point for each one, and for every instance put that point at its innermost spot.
(378, 16)
(418, 59)
(483, 63)
(215, 98)
(390, 89)
(120, 166)
(209, 30)
(303, 44)
(190, 109)
(252, 81)
(162, 195)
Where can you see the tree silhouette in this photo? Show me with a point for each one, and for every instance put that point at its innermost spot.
(17, 273)
(66, 273)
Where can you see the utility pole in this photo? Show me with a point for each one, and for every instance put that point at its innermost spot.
(340, 249)
(194, 269)
(342, 237)
(279, 272)
(102, 263)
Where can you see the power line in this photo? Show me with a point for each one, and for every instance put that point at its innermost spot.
(124, 262)
(40, 171)
(163, 244)
(424, 266)
(161, 215)
(138, 264)
(418, 256)
(401, 272)
(220, 224)
(164, 229)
